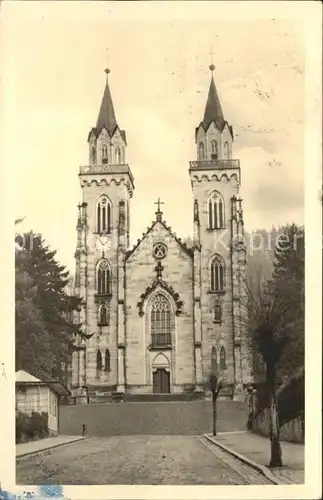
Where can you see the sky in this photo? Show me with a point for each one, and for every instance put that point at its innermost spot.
(53, 81)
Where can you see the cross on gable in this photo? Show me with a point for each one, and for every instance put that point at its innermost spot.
(158, 203)
(159, 269)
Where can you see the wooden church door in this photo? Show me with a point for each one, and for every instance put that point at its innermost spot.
(161, 381)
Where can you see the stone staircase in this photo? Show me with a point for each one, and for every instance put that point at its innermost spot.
(182, 396)
(103, 395)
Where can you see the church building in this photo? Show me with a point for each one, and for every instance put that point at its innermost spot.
(160, 317)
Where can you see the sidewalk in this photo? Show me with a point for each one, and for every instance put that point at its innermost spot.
(257, 449)
(32, 447)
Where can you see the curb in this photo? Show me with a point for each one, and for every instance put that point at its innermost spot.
(36, 452)
(260, 468)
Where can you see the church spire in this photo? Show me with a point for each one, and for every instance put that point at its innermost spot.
(106, 116)
(213, 110)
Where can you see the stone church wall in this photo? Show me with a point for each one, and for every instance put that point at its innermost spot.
(140, 273)
(219, 241)
(104, 337)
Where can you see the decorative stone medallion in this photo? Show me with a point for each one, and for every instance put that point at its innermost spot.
(159, 251)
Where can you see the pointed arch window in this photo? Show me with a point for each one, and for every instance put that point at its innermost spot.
(93, 155)
(104, 153)
(128, 220)
(217, 312)
(118, 155)
(217, 274)
(226, 151)
(103, 315)
(216, 211)
(107, 360)
(222, 358)
(201, 151)
(103, 278)
(214, 364)
(160, 321)
(98, 360)
(214, 150)
(103, 215)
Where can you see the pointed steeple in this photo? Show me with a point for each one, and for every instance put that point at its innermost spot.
(106, 116)
(213, 110)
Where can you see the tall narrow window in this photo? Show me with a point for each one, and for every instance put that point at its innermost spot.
(103, 278)
(214, 367)
(98, 360)
(226, 150)
(201, 151)
(217, 313)
(118, 155)
(103, 215)
(216, 211)
(128, 219)
(93, 155)
(222, 358)
(107, 366)
(103, 317)
(217, 275)
(160, 318)
(104, 153)
(214, 150)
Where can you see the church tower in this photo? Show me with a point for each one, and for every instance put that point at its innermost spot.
(220, 255)
(102, 240)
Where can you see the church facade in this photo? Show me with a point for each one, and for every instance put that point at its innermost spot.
(161, 316)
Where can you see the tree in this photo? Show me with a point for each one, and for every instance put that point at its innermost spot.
(33, 345)
(289, 282)
(44, 311)
(276, 320)
(269, 336)
(216, 386)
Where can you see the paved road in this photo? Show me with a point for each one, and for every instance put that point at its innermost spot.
(134, 460)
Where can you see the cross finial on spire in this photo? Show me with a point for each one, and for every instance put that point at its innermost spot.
(107, 61)
(212, 67)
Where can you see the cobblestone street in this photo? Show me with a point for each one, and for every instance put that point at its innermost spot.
(135, 460)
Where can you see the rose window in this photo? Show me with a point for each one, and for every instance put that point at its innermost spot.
(160, 251)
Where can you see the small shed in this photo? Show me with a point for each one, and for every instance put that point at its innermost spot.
(33, 395)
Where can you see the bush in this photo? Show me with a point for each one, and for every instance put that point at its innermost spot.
(290, 398)
(31, 427)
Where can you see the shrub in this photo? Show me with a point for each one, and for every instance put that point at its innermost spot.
(290, 398)
(31, 427)
(39, 424)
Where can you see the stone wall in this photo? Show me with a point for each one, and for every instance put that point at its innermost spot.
(178, 274)
(291, 431)
(172, 418)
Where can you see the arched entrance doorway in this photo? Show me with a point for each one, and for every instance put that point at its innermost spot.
(161, 374)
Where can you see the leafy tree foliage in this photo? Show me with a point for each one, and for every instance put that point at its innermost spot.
(289, 283)
(276, 321)
(33, 342)
(276, 260)
(45, 330)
